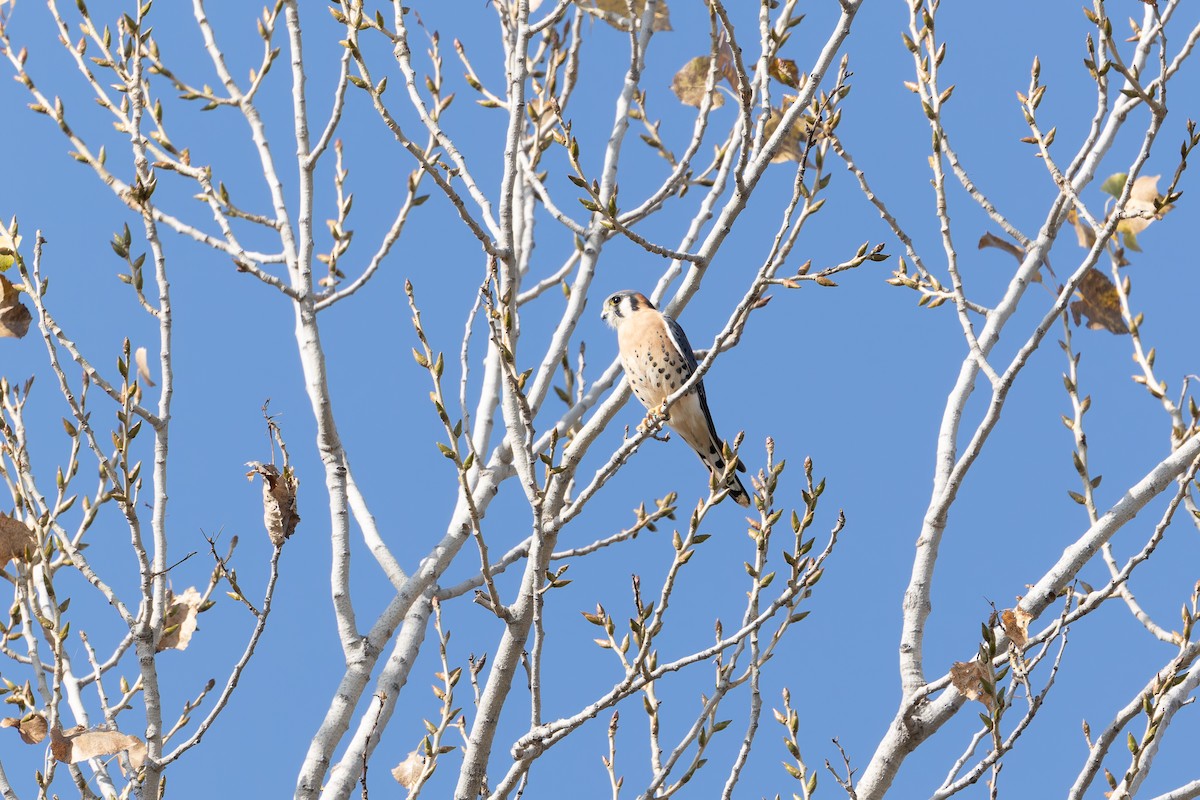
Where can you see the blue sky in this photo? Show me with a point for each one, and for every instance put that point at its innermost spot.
(855, 377)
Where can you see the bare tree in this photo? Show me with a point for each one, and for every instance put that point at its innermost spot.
(530, 425)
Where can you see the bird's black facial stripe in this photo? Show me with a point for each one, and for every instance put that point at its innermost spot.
(633, 303)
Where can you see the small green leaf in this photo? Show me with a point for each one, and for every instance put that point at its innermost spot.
(1114, 184)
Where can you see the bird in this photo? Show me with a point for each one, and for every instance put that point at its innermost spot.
(658, 360)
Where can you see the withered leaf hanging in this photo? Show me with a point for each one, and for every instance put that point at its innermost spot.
(279, 499)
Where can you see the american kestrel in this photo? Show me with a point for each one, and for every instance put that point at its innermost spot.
(658, 360)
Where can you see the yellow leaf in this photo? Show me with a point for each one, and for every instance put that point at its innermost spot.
(9, 244)
(784, 70)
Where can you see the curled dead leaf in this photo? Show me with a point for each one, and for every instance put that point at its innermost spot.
(992, 240)
(16, 539)
(179, 623)
(31, 727)
(968, 677)
(1083, 232)
(143, 370)
(1015, 250)
(279, 500)
(1099, 302)
(14, 316)
(408, 771)
(79, 744)
(1016, 626)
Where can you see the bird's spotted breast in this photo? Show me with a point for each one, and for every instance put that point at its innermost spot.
(652, 362)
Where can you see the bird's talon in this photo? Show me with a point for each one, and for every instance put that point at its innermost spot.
(651, 424)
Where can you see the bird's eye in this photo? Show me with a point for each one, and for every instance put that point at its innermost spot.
(616, 301)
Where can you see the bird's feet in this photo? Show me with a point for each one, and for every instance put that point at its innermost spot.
(655, 418)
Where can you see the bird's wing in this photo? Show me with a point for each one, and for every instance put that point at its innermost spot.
(680, 340)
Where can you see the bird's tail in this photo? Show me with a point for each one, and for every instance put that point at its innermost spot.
(737, 490)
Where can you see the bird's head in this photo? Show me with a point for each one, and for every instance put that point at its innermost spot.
(622, 305)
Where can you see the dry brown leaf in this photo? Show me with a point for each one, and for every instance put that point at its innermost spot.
(1099, 302)
(31, 727)
(143, 370)
(992, 240)
(784, 70)
(14, 316)
(968, 677)
(1083, 232)
(790, 147)
(16, 540)
(688, 84)
(79, 744)
(409, 770)
(1016, 625)
(619, 9)
(180, 621)
(279, 500)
